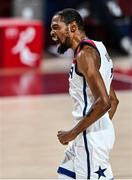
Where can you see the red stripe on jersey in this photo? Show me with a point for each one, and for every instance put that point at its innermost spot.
(74, 61)
(90, 42)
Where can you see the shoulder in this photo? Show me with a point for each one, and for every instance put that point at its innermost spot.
(88, 56)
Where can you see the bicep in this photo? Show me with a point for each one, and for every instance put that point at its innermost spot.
(96, 84)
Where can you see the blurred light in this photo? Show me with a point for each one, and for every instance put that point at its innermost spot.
(114, 8)
(84, 12)
(27, 13)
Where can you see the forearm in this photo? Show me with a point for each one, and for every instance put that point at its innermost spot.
(98, 109)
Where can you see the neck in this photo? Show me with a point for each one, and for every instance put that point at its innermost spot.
(77, 39)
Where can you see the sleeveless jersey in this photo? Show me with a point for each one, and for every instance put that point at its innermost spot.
(79, 89)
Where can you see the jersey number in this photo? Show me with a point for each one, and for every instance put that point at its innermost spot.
(71, 72)
(111, 72)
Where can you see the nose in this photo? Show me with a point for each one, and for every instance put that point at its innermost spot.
(52, 33)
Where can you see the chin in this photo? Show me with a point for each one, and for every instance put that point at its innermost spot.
(62, 48)
(60, 51)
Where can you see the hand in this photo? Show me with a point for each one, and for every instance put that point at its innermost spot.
(65, 136)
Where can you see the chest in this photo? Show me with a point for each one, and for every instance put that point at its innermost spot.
(76, 79)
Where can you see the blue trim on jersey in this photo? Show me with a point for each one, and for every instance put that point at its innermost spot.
(66, 172)
(77, 72)
(84, 133)
(85, 97)
(87, 152)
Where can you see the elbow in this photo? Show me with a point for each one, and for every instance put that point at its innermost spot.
(116, 101)
(106, 104)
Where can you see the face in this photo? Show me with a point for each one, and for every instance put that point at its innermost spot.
(60, 34)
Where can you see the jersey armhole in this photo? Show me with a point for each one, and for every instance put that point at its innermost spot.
(84, 42)
(76, 70)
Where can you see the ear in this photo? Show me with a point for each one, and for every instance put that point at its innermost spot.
(73, 26)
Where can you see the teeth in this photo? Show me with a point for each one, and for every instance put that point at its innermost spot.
(54, 38)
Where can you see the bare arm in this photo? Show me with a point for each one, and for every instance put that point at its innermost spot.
(114, 103)
(88, 62)
(88, 65)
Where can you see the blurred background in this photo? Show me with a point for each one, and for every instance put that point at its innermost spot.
(34, 100)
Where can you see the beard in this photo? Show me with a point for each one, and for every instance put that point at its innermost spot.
(63, 47)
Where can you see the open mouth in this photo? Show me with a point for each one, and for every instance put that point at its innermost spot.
(55, 39)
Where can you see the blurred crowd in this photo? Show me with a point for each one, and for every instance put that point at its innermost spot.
(107, 20)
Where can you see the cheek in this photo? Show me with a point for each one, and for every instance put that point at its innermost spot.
(63, 35)
(61, 38)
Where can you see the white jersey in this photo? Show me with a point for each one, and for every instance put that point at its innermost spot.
(87, 156)
(80, 91)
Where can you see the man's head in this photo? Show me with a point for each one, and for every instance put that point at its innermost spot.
(64, 25)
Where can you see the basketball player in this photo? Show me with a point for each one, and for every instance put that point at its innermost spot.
(94, 101)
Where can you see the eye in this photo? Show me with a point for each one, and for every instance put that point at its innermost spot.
(55, 27)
